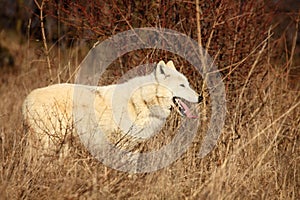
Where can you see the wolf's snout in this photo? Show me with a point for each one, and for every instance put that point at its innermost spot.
(200, 98)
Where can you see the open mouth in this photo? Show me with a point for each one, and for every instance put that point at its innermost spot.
(182, 108)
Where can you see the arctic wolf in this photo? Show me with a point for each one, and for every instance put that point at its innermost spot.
(138, 107)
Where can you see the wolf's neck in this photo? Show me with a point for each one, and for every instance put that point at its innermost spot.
(140, 81)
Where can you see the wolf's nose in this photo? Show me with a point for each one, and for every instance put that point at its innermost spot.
(200, 98)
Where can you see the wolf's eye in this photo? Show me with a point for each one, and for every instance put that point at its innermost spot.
(182, 85)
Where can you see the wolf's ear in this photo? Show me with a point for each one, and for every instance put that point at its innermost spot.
(171, 65)
(160, 69)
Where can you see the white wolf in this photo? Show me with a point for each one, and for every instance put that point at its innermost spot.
(138, 107)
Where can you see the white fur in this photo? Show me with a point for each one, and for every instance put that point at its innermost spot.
(138, 108)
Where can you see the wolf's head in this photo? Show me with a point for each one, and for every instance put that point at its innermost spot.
(167, 76)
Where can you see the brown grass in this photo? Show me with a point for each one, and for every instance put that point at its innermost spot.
(257, 155)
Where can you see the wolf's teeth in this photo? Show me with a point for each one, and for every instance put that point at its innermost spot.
(179, 107)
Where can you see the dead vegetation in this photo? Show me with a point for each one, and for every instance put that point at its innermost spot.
(257, 155)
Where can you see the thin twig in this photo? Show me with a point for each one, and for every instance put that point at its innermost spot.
(41, 8)
(202, 57)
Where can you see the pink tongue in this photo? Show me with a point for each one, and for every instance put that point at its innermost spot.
(187, 111)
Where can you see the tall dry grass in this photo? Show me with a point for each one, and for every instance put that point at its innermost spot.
(257, 155)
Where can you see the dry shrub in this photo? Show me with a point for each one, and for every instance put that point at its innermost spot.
(257, 155)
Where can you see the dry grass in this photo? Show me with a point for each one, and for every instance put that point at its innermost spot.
(257, 155)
